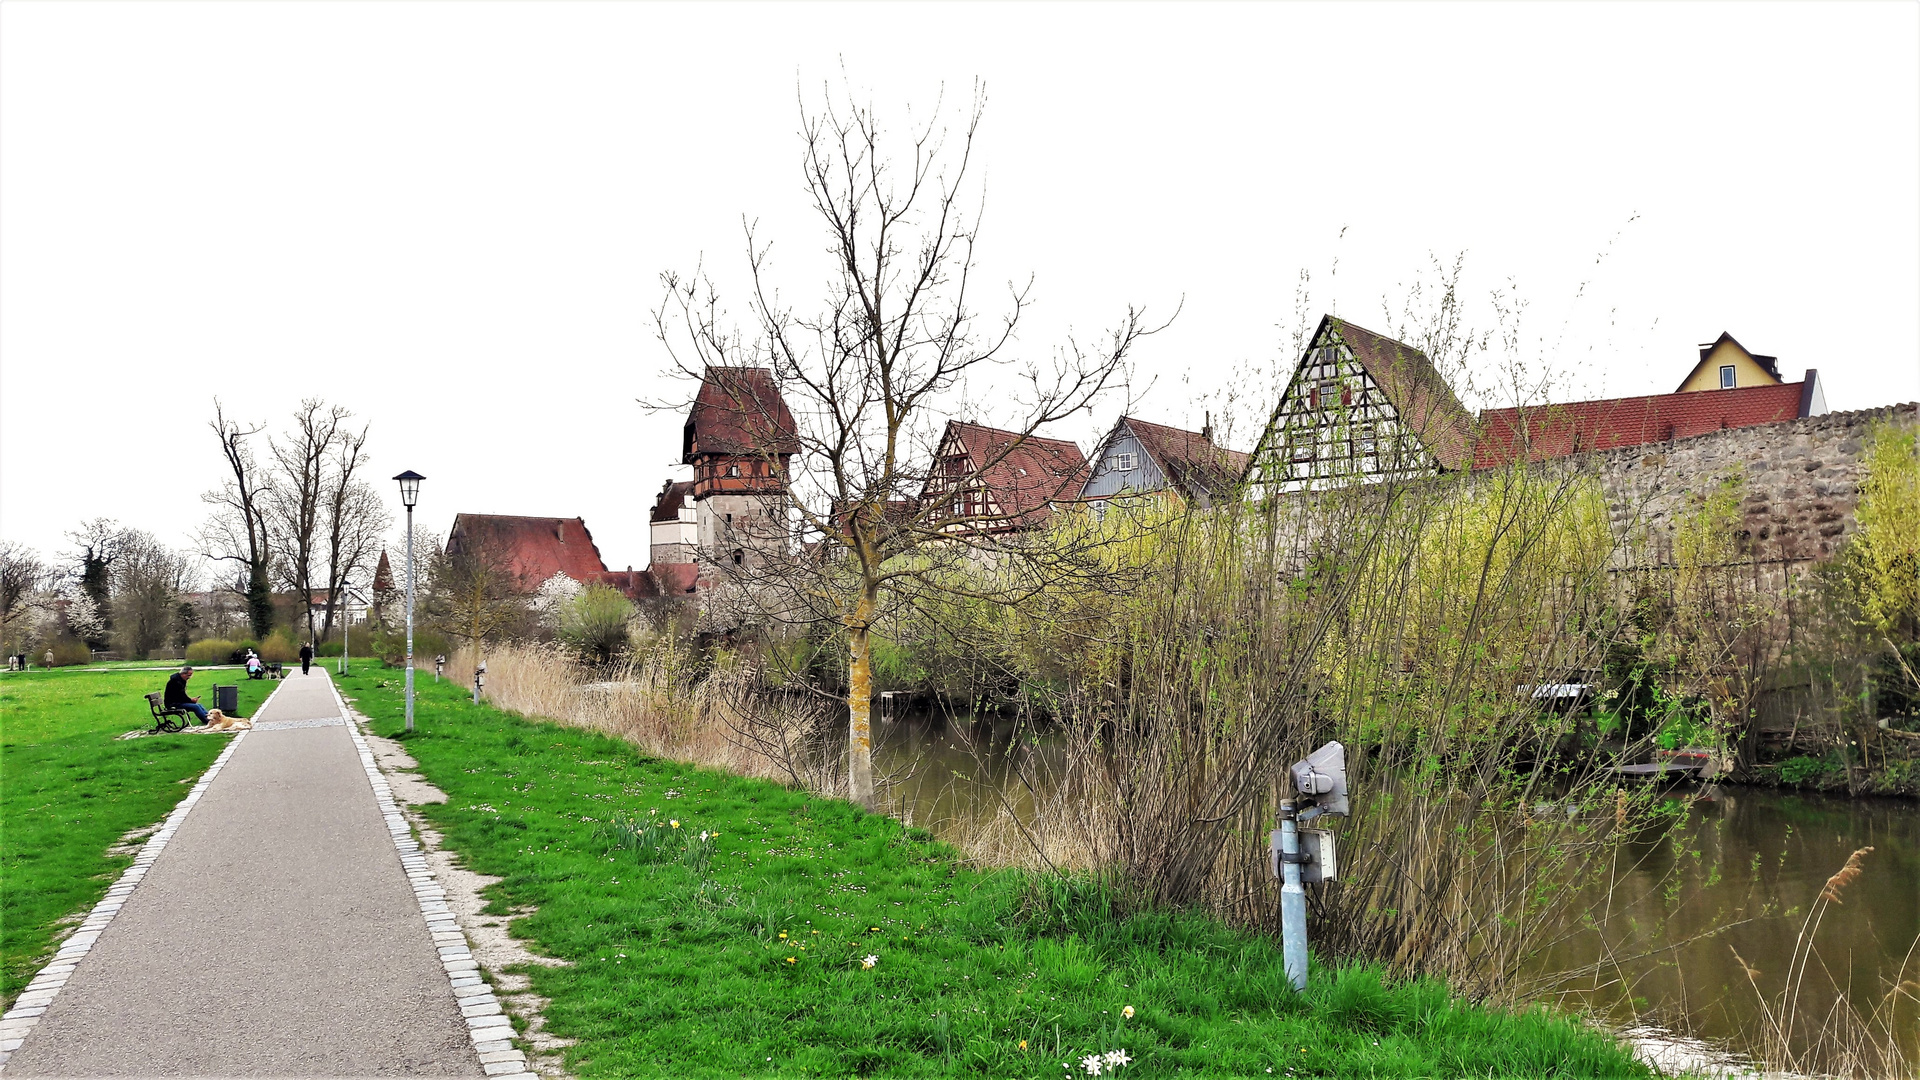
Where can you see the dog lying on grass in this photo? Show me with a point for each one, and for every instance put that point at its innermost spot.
(219, 721)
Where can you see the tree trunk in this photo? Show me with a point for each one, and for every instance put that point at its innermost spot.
(259, 602)
(860, 713)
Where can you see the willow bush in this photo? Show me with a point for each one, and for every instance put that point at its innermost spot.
(1201, 651)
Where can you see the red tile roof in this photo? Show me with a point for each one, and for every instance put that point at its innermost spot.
(672, 499)
(1190, 460)
(1551, 431)
(738, 410)
(1423, 400)
(534, 548)
(1029, 474)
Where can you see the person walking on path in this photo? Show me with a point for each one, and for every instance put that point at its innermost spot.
(176, 695)
(306, 658)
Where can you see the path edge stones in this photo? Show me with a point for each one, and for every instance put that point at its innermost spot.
(32, 1003)
(487, 1022)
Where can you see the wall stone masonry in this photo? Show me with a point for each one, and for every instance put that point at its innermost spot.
(1800, 481)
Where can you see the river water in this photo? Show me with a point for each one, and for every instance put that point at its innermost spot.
(1738, 875)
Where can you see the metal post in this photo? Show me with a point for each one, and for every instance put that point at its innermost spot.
(1293, 901)
(346, 636)
(409, 618)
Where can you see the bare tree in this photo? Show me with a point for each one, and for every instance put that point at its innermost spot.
(895, 338)
(149, 579)
(356, 519)
(299, 502)
(238, 532)
(472, 594)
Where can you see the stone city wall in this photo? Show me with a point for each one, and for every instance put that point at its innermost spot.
(1800, 481)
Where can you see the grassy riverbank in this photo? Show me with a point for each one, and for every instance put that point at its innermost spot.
(69, 790)
(743, 953)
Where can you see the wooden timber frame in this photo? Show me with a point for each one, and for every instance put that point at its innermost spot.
(1360, 408)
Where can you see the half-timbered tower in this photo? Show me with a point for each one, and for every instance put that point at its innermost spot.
(1360, 407)
(739, 438)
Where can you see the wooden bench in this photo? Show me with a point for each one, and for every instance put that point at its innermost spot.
(168, 719)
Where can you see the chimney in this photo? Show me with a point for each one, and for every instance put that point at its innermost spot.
(1206, 429)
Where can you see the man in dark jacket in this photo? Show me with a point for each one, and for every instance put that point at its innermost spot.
(177, 694)
(306, 657)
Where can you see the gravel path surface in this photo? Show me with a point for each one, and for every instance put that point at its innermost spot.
(277, 935)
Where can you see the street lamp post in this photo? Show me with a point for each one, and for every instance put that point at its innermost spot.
(409, 494)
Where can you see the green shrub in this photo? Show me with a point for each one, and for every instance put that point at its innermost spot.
(1799, 770)
(67, 651)
(279, 648)
(211, 651)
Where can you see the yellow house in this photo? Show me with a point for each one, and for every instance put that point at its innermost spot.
(1726, 364)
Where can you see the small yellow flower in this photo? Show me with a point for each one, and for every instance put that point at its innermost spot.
(791, 960)
(1023, 1044)
(675, 824)
(783, 933)
(1127, 1012)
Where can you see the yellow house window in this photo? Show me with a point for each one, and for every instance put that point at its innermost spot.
(1726, 377)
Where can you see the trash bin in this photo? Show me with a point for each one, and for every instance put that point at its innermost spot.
(227, 699)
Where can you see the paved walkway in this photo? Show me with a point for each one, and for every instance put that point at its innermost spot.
(276, 934)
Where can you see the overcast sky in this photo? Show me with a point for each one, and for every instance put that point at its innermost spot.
(453, 217)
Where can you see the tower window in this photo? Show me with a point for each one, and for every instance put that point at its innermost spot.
(733, 470)
(1726, 377)
(739, 556)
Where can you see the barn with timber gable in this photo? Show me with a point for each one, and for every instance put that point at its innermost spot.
(985, 480)
(1359, 407)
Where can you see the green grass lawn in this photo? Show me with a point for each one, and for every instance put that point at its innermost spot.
(743, 954)
(69, 791)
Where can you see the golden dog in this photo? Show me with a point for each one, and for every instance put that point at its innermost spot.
(219, 721)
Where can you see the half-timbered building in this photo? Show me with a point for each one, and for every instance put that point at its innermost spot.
(986, 480)
(1360, 407)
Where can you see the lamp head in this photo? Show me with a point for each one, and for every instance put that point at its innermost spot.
(409, 488)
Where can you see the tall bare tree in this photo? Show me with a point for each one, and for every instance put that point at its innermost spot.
(299, 502)
(238, 531)
(895, 338)
(149, 580)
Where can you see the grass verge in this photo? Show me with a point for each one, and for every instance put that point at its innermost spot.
(733, 942)
(69, 790)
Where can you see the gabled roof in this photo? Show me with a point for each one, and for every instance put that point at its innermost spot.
(1189, 459)
(672, 499)
(738, 410)
(1030, 473)
(1768, 364)
(1552, 431)
(533, 548)
(1424, 401)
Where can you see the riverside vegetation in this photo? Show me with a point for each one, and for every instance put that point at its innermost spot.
(73, 790)
(1181, 658)
(714, 924)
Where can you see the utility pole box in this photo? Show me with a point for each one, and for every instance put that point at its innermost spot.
(1316, 857)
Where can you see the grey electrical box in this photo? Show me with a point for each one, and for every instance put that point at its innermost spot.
(1317, 859)
(1321, 864)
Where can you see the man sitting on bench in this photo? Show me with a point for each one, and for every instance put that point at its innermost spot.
(176, 696)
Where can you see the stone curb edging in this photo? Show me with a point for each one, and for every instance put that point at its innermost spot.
(32, 1003)
(487, 1023)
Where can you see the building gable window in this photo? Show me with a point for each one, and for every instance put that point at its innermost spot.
(1727, 379)
(1126, 461)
